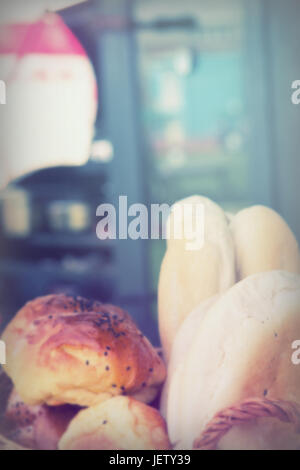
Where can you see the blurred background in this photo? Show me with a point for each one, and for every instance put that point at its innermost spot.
(193, 97)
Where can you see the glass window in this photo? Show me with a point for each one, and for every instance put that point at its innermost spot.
(193, 103)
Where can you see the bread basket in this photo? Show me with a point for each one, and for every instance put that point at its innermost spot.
(246, 411)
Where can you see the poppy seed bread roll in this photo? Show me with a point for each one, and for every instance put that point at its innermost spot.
(187, 277)
(37, 427)
(263, 242)
(120, 423)
(62, 349)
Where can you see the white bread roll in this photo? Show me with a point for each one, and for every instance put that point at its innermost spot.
(120, 423)
(263, 242)
(242, 350)
(188, 277)
(183, 339)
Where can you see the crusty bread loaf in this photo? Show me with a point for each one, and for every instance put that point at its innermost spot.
(263, 242)
(120, 423)
(62, 349)
(188, 277)
(242, 350)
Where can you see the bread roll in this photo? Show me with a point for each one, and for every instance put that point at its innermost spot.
(242, 350)
(263, 242)
(62, 349)
(120, 423)
(37, 427)
(188, 277)
(183, 340)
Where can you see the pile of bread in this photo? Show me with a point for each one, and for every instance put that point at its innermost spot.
(83, 374)
(85, 377)
(229, 317)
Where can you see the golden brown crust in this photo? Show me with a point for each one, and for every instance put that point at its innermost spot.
(120, 423)
(63, 349)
